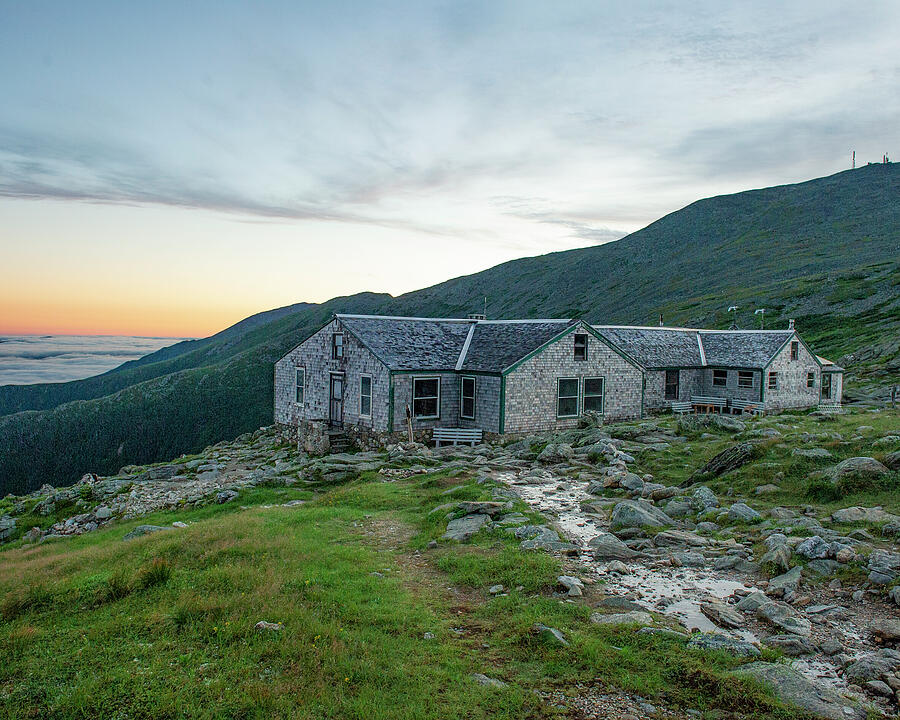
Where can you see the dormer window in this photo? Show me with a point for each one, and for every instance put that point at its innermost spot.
(337, 346)
(580, 346)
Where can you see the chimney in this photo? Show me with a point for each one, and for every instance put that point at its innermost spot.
(791, 324)
(660, 320)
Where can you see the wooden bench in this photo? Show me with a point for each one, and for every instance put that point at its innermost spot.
(739, 407)
(681, 408)
(708, 404)
(456, 436)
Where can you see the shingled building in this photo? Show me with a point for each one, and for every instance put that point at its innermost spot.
(515, 376)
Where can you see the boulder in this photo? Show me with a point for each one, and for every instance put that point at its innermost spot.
(793, 687)
(722, 614)
(634, 617)
(225, 496)
(484, 507)
(752, 602)
(678, 508)
(103, 513)
(741, 512)
(857, 467)
(786, 584)
(7, 527)
(715, 641)
(483, 679)
(556, 453)
(688, 559)
(679, 538)
(144, 530)
(886, 631)
(872, 666)
(550, 635)
(892, 460)
(463, 528)
(704, 499)
(607, 546)
(572, 584)
(729, 459)
(778, 558)
(791, 645)
(784, 616)
(857, 514)
(638, 513)
(884, 566)
(812, 548)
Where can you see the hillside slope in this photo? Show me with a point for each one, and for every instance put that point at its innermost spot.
(826, 252)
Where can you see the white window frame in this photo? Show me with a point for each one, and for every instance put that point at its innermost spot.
(362, 377)
(575, 337)
(772, 380)
(334, 346)
(602, 394)
(724, 382)
(743, 377)
(413, 390)
(462, 380)
(300, 385)
(577, 396)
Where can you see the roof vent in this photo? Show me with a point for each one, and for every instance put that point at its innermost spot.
(790, 324)
(477, 316)
(660, 320)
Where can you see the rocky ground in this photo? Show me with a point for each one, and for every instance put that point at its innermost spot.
(741, 574)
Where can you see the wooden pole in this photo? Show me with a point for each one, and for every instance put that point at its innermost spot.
(409, 423)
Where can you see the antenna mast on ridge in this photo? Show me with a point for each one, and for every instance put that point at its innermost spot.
(854, 160)
(762, 318)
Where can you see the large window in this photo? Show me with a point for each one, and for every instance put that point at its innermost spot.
(593, 395)
(337, 346)
(427, 398)
(581, 346)
(671, 384)
(467, 398)
(567, 397)
(795, 350)
(365, 396)
(745, 379)
(773, 381)
(810, 379)
(300, 383)
(720, 378)
(826, 386)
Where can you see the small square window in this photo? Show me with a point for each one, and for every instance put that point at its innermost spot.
(795, 350)
(745, 379)
(810, 379)
(720, 378)
(581, 341)
(300, 385)
(773, 381)
(567, 397)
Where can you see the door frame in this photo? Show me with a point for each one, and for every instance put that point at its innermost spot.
(332, 401)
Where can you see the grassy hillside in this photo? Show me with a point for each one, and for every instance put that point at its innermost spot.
(825, 252)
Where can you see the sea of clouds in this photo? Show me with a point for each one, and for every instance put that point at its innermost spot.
(26, 359)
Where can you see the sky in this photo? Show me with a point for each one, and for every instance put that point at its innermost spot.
(169, 168)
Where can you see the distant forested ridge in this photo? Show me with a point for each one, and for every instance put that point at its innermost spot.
(824, 252)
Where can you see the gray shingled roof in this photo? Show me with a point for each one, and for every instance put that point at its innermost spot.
(497, 345)
(655, 347)
(743, 348)
(411, 343)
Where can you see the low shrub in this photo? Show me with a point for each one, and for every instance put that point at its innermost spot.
(157, 572)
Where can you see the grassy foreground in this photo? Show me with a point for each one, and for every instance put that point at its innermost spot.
(163, 626)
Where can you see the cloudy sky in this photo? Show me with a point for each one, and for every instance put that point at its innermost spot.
(169, 168)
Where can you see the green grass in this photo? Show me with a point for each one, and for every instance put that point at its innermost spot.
(163, 626)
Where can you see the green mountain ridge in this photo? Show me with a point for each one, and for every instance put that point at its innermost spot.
(825, 252)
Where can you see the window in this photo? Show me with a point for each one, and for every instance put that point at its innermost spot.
(826, 386)
(365, 396)
(773, 381)
(593, 395)
(671, 384)
(300, 385)
(810, 379)
(427, 398)
(580, 346)
(567, 397)
(467, 398)
(795, 350)
(337, 346)
(720, 378)
(745, 379)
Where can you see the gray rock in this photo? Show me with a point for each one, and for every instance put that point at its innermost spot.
(679, 538)
(482, 679)
(704, 499)
(831, 647)
(225, 496)
(715, 641)
(812, 548)
(793, 687)
(550, 635)
(103, 513)
(7, 527)
(791, 645)
(892, 460)
(638, 513)
(678, 508)
(884, 566)
(894, 594)
(863, 514)
(779, 558)
(572, 584)
(495, 589)
(822, 567)
(707, 527)
(144, 530)
(785, 584)
(607, 546)
(484, 507)
(33, 535)
(634, 617)
(784, 616)
(632, 483)
(689, 559)
(164, 472)
(880, 688)
(463, 528)
(741, 512)
(553, 454)
(722, 614)
(812, 453)
(872, 666)
(886, 631)
(860, 467)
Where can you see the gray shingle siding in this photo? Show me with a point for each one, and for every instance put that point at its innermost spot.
(531, 388)
(792, 391)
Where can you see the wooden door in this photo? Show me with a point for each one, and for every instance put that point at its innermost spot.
(336, 406)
